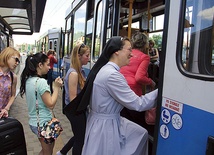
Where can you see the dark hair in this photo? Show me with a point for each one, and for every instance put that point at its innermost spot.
(31, 65)
(50, 51)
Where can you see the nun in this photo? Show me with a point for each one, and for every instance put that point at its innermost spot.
(106, 93)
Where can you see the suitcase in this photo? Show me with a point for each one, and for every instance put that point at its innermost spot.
(12, 138)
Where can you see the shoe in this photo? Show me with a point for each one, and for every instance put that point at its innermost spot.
(59, 153)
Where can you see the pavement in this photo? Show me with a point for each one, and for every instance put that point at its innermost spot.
(19, 111)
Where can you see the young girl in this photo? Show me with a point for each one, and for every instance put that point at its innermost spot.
(74, 82)
(9, 60)
(35, 67)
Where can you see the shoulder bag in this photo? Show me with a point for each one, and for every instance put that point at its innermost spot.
(50, 129)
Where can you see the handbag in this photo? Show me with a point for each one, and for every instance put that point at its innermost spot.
(50, 129)
(150, 116)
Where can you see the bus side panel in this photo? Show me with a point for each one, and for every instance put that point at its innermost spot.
(187, 109)
(184, 133)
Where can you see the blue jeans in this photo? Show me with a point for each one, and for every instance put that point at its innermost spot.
(34, 129)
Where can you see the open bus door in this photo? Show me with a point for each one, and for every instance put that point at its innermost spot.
(186, 85)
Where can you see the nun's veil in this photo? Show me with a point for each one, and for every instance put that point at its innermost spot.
(82, 100)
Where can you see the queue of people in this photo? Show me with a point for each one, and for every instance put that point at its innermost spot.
(105, 94)
(93, 103)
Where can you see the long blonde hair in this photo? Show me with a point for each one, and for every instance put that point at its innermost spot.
(75, 62)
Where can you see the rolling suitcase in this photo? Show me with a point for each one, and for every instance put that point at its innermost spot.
(12, 138)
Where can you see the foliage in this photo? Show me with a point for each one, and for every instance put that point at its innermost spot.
(158, 40)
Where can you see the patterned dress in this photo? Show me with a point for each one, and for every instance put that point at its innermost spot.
(5, 89)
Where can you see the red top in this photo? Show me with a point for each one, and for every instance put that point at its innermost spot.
(53, 60)
(136, 73)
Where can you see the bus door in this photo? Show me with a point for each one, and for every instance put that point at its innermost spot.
(67, 43)
(96, 28)
(185, 99)
(102, 24)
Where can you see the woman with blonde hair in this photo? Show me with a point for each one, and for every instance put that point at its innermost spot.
(73, 83)
(9, 60)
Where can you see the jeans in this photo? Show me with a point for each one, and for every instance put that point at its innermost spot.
(34, 129)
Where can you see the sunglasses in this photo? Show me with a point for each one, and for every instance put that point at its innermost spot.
(16, 59)
(81, 46)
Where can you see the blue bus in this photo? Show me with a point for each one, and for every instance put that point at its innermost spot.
(184, 31)
(53, 39)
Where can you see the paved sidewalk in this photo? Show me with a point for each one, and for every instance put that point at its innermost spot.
(19, 111)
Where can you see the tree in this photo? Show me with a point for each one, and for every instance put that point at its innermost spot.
(157, 39)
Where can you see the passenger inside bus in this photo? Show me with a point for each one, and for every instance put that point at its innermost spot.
(153, 53)
(137, 77)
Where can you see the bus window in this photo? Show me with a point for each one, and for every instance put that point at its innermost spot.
(50, 44)
(55, 45)
(65, 45)
(79, 25)
(97, 53)
(157, 38)
(67, 42)
(90, 13)
(3, 41)
(158, 22)
(134, 27)
(197, 54)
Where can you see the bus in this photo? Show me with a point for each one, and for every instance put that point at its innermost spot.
(52, 39)
(184, 33)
